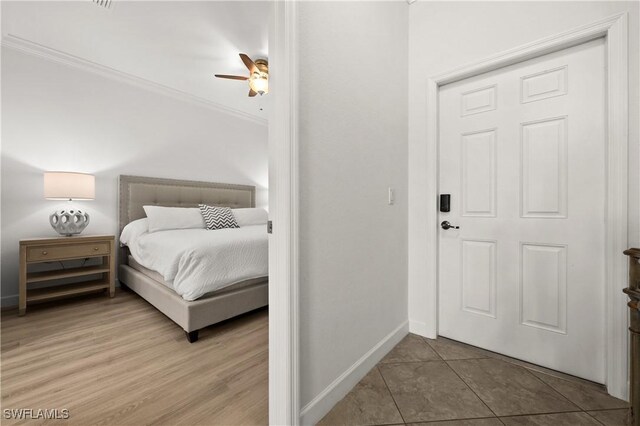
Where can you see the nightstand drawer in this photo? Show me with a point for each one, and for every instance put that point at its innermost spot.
(44, 253)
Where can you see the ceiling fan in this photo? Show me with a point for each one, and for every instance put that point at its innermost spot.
(258, 77)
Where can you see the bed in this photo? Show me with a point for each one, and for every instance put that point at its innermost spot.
(191, 315)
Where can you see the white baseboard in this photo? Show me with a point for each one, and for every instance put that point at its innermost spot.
(319, 406)
(420, 328)
(9, 301)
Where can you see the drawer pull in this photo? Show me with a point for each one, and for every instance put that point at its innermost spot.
(95, 249)
(44, 252)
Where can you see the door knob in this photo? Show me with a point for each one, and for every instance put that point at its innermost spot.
(446, 225)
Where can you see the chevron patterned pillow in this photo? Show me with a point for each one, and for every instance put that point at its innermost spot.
(218, 217)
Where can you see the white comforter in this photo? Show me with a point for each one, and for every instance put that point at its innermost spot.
(198, 261)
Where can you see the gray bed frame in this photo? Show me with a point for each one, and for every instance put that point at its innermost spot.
(136, 192)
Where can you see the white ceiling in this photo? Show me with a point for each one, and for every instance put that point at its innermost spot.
(179, 44)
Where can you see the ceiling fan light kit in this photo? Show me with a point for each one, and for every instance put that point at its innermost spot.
(258, 78)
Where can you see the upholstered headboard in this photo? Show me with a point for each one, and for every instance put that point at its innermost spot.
(137, 191)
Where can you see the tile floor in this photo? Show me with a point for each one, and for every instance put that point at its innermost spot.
(424, 382)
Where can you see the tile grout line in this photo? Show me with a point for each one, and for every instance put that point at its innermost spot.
(545, 413)
(593, 417)
(440, 359)
(524, 364)
(551, 413)
(388, 424)
(429, 421)
(503, 358)
(418, 361)
(559, 375)
(409, 362)
(452, 421)
(608, 409)
(565, 396)
(551, 387)
(469, 387)
(578, 410)
(391, 393)
(425, 340)
(530, 369)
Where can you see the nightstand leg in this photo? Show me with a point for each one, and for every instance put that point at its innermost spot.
(22, 282)
(112, 270)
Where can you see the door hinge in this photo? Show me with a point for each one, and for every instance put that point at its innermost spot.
(269, 227)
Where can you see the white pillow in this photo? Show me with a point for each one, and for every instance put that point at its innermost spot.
(133, 231)
(250, 216)
(165, 218)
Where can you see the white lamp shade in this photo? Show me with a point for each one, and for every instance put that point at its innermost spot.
(69, 186)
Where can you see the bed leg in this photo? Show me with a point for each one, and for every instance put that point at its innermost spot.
(192, 336)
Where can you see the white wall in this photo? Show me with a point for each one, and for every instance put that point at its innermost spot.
(353, 146)
(445, 35)
(57, 117)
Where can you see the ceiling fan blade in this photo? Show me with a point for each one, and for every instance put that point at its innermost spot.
(232, 77)
(252, 93)
(249, 63)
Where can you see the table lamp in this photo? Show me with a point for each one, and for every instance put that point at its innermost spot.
(69, 186)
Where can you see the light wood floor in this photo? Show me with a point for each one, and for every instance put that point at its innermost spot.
(121, 362)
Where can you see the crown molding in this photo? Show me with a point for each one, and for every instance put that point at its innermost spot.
(35, 49)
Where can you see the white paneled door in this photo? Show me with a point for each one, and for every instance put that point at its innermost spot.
(522, 154)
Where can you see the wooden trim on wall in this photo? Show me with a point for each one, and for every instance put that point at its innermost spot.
(617, 208)
(284, 381)
(614, 28)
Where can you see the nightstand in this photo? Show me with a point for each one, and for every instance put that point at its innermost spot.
(99, 276)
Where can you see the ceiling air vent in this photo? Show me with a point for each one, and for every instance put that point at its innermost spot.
(103, 3)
